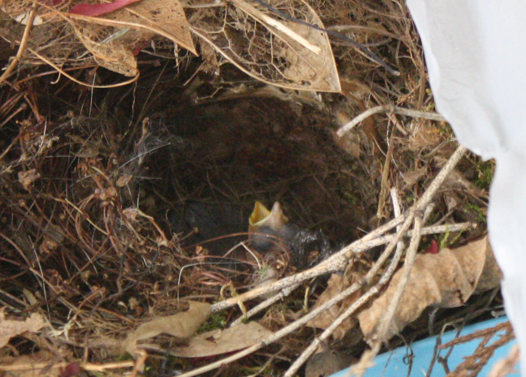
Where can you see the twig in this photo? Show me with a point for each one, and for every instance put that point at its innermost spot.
(254, 12)
(62, 72)
(335, 262)
(415, 213)
(339, 259)
(367, 246)
(265, 304)
(427, 213)
(313, 314)
(385, 324)
(278, 335)
(358, 303)
(359, 246)
(139, 362)
(436, 229)
(408, 266)
(397, 207)
(382, 197)
(389, 109)
(365, 297)
(34, 367)
(23, 44)
(418, 208)
(428, 195)
(506, 366)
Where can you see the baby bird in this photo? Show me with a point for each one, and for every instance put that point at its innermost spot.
(270, 229)
(270, 236)
(271, 233)
(275, 244)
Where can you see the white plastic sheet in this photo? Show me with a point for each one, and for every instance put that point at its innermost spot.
(476, 56)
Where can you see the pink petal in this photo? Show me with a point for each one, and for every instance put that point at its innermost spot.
(100, 9)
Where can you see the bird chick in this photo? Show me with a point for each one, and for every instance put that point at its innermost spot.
(270, 232)
(271, 236)
(270, 229)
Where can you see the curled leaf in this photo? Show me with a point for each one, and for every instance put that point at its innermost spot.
(11, 328)
(218, 342)
(270, 47)
(181, 325)
(337, 283)
(444, 280)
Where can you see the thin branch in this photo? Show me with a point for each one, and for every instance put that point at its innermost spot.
(361, 301)
(428, 195)
(340, 259)
(265, 304)
(302, 321)
(389, 109)
(359, 246)
(416, 214)
(336, 262)
(419, 208)
(23, 45)
(385, 324)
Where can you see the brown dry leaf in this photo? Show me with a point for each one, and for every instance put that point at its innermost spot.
(443, 280)
(114, 38)
(326, 363)
(273, 50)
(337, 283)
(109, 49)
(424, 135)
(123, 180)
(223, 341)
(10, 328)
(117, 57)
(412, 177)
(27, 178)
(164, 17)
(181, 325)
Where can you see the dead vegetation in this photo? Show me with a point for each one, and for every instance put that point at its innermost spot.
(125, 203)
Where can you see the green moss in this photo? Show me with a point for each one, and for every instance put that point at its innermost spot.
(448, 239)
(216, 321)
(477, 212)
(485, 171)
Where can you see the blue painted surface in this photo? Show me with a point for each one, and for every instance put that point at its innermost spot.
(395, 363)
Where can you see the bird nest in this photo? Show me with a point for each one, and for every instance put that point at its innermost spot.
(127, 203)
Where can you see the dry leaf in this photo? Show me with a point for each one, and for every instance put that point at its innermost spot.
(443, 280)
(270, 49)
(326, 363)
(181, 325)
(223, 341)
(123, 180)
(27, 178)
(337, 283)
(115, 38)
(412, 177)
(11, 328)
(164, 17)
(115, 56)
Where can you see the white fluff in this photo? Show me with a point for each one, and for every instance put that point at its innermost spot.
(476, 56)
